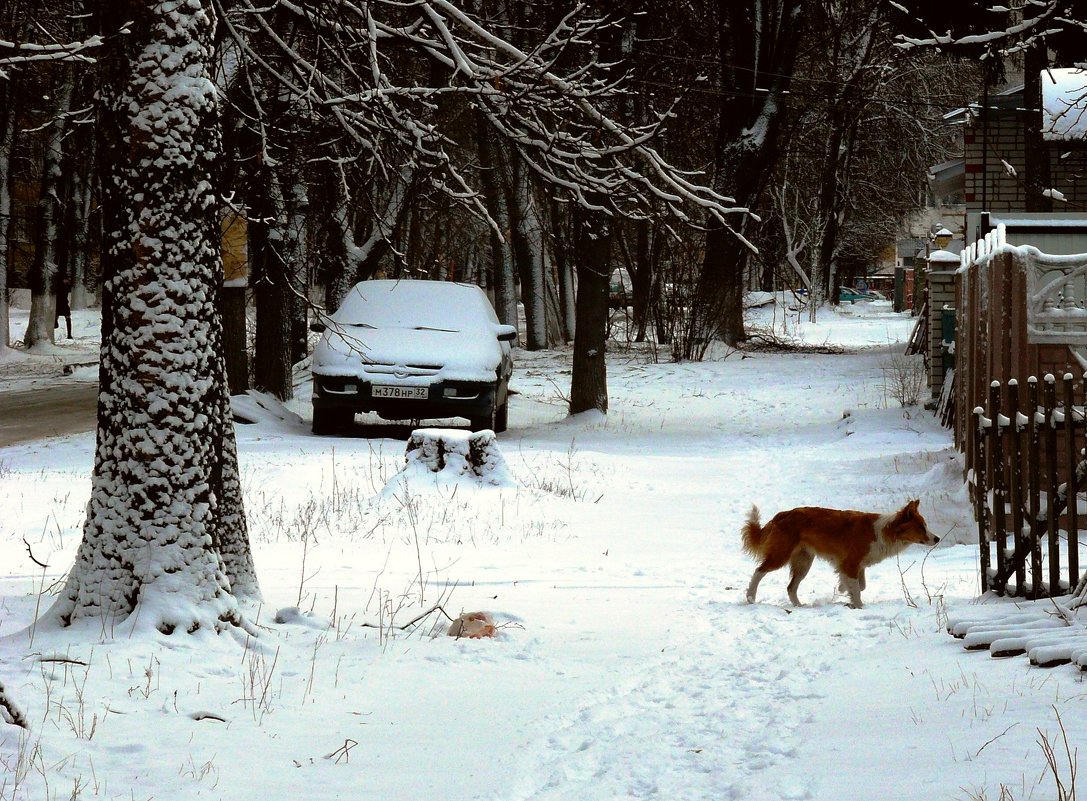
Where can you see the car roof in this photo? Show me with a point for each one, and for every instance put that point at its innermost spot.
(413, 302)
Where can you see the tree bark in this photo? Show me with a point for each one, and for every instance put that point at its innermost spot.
(79, 252)
(235, 336)
(297, 268)
(49, 212)
(526, 235)
(333, 264)
(267, 220)
(7, 141)
(164, 542)
(492, 178)
(592, 245)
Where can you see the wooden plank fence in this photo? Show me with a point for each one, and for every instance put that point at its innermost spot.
(1029, 454)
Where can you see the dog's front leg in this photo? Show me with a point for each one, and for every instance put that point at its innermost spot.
(854, 587)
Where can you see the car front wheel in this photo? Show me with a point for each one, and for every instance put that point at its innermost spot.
(331, 421)
(485, 421)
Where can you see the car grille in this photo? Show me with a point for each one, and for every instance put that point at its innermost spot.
(403, 369)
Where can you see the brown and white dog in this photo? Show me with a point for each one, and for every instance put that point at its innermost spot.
(851, 541)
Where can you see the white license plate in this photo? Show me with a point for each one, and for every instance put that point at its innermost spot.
(386, 391)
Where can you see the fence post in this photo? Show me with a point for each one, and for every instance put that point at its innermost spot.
(1049, 401)
(1018, 420)
(1070, 427)
(996, 472)
(1034, 485)
(981, 487)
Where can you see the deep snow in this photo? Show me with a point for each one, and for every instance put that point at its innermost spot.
(627, 664)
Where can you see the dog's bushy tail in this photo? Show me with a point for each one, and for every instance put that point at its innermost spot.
(753, 533)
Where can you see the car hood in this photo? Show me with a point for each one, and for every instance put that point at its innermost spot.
(408, 355)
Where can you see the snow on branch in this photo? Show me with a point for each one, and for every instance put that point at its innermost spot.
(12, 53)
(1012, 33)
(388, 74)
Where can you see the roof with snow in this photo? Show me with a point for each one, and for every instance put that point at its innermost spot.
(1009, 99)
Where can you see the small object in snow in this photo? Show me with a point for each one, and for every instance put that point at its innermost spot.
(295, 616)
(473, 625)
(207, 716)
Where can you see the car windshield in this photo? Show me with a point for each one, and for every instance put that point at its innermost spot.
(420, 305)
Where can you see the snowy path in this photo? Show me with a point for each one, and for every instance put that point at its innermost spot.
(710, 719)
(720, 708)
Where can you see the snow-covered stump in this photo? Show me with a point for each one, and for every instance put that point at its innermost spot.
(455, 452)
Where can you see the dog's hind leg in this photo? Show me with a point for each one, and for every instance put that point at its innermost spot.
(774, 560)
(799, 565)
(853, 586)
(753, 585)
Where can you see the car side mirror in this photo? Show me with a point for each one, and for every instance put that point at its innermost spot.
(506, 333)
(317, 327)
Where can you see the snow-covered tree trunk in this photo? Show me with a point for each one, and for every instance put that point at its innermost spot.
(164, 543)
(49, 214)
(564, 272)
(7, 139)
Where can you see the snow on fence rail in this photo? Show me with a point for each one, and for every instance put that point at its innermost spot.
(1028, 452)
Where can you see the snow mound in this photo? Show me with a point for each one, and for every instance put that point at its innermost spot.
(260, 407)
(292, 615)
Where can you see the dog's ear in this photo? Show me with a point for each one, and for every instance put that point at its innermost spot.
(907, 511)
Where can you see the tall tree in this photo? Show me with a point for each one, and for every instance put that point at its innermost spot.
(164, 540)
(47, 221)
(7, 222)
(757, 44)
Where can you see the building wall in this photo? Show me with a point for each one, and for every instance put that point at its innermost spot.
(1002, 191)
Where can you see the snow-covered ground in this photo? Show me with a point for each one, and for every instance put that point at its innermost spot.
(627, 663)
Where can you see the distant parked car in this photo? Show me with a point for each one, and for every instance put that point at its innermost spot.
(620, 289)
(412, 349)
(848, 294)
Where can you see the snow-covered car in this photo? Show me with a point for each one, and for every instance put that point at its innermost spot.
(620, 289)
(412, 350)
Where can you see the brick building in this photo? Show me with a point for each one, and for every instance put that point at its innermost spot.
(994, 143)
(993, 190)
